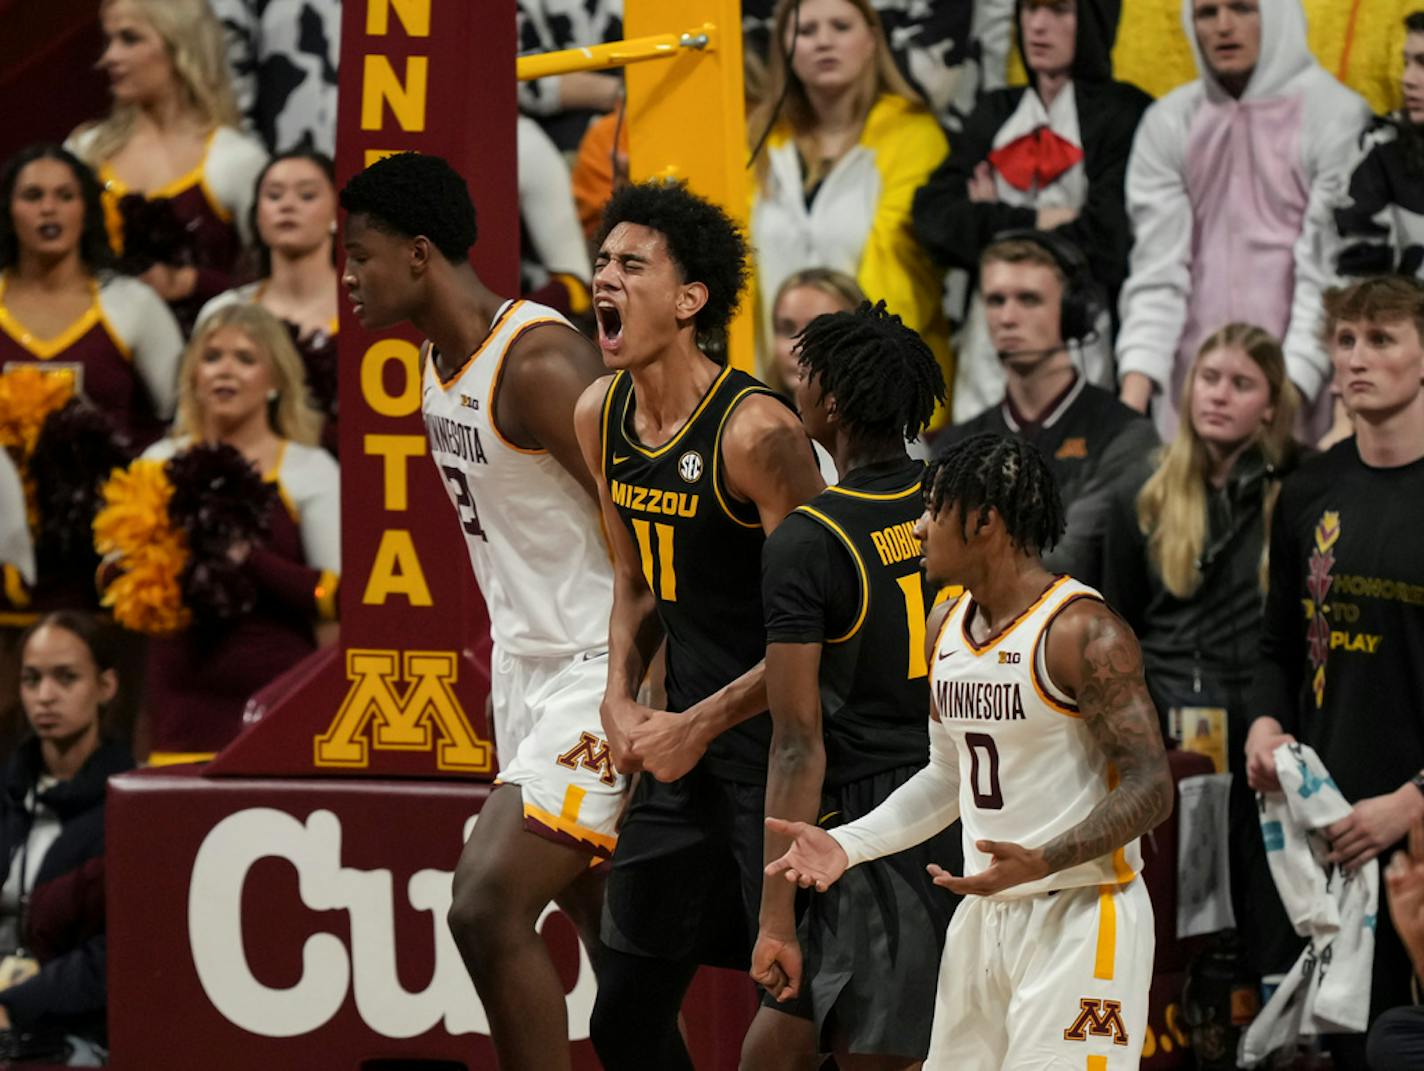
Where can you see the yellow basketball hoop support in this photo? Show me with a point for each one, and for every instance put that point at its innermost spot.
(686, 113)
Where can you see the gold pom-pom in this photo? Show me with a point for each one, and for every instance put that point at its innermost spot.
(133, 531)
(28, 394)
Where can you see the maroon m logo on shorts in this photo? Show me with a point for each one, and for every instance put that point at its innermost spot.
(1101, 1018)
(592, 754)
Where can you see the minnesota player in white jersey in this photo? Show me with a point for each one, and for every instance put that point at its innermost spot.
(500, 380)
(1045, 744)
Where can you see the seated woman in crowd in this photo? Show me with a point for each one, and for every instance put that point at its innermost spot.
(801, 297)
(60, 306)
(1184, 562)
(241, 384)
(840, 168)
(52, 980)
(294, 223)
(178, 176)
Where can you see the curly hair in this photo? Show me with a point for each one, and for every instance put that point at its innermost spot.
(412, 194)
(885, 380)
(1005, 474)
(703, 241)
(317, 159)
(94, 249)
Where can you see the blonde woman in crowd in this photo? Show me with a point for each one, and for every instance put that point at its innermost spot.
(1185, 564)
(294, 231)
(850, 145)
(178, 176)
(241, 384)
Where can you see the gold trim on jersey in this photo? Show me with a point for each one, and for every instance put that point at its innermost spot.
(17, 592)
(1105, 961)
(889, 496)
(324, 595)
(811, 511)
(42, 349)
(533, 451)
(603, 437)
(1069, 709)
(975, 649)
(1121, 870)
(567, 823)
(691, 420)
(717, 454)
(446, 384)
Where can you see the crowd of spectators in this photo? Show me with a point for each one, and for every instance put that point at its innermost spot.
(1204, 309)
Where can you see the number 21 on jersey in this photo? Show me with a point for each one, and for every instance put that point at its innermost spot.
(464, 502)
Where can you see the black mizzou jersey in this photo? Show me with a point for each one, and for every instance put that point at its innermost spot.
(875, 695)
(701, 554)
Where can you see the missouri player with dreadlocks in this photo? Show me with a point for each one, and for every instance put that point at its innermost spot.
(1045, 744)
(845, 602)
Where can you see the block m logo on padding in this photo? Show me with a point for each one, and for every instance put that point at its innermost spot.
(378, 712)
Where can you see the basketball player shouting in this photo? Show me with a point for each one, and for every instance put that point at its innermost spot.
(846, 677)
(696, 463)
(500, 380)
(1046, 745)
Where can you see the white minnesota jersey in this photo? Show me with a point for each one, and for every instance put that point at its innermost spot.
(532, 532)
(1029, 769)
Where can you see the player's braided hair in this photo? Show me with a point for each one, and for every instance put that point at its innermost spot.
(415, 194)
(885, 380)
(1003, 473)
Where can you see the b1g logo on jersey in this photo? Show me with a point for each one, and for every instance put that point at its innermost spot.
(689, 466)
(1010, 658)
(1100, 1018)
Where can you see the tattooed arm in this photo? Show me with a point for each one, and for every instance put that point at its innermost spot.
(1093, 656)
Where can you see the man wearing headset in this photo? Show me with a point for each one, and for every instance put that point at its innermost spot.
(1038, 296)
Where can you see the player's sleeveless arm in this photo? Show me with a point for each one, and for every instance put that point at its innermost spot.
(914, 812)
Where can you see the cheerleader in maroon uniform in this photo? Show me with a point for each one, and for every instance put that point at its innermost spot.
(241, 384)
(61, 308)
(294, 221)
(177, 174)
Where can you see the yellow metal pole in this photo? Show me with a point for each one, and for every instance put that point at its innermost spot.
(615, 53)
(686, 120)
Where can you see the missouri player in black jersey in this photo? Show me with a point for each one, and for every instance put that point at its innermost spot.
(695, 463)
(845, 604)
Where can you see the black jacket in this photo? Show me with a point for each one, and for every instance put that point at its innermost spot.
(955, 230)
(65, 930)
(1201, 650)
(1090, 440)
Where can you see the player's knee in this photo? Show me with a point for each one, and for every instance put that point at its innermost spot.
(481, 915)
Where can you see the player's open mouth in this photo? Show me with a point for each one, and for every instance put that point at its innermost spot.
(610, 321)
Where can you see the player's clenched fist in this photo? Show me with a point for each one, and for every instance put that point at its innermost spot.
(813, 859)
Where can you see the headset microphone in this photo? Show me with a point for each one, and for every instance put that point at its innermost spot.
(1044, 353)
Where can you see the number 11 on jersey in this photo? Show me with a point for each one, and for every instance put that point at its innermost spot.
(664, 583)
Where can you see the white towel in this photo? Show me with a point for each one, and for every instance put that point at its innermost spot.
(1328, 989)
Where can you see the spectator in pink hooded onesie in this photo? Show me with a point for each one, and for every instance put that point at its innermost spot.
(1231, 189)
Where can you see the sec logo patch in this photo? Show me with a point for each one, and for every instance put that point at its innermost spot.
(689, 466)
